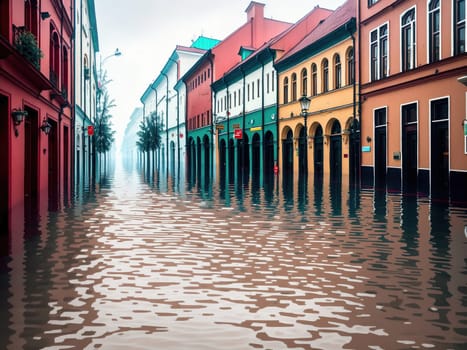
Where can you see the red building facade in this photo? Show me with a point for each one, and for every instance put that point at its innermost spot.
(35, 108)
(211, 67)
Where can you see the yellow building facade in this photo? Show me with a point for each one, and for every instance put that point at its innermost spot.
(322, 139)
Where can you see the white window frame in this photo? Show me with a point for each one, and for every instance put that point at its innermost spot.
(378, 55)
(429, 34)
(412, 62)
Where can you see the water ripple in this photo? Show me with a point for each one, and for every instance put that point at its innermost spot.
(137, 268)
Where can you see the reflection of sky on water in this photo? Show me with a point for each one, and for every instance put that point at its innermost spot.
(136, 268)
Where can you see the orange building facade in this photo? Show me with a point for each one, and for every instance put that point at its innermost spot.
(321, 140)
(413, 63)
(35, 108)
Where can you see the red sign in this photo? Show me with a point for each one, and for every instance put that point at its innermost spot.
(238, 133)
(90, 130)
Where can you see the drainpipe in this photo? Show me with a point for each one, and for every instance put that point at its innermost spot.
(277, 110)
(212, 119)
(72, 96)
(178, 131)
(228, 127)
(178, 112)
(186, 131)
(262, 114)
(354, 104)
(60, 84)
(167, 123)
(243, 113)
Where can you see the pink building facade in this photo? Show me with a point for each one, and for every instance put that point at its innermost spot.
(36, 56)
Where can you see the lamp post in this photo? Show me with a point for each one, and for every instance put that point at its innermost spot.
(305, 105)
(116, 53)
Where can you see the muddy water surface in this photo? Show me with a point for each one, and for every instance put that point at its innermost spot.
(132, 267)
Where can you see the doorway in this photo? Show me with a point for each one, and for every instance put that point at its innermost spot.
(287, 156)
(335, 157)
(31, 154)
(380, 148)
(440, 149)
(53, 152)
(318, 153)
(4, 174)
(409, 148)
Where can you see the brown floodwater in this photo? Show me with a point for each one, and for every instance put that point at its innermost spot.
(136, 264)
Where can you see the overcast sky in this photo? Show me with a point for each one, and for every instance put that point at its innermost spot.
(147, 31)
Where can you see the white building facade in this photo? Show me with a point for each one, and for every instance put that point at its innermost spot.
(85, 78)
(164, 100)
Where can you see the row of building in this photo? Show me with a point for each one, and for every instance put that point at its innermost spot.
(48, 99)
(373, 92)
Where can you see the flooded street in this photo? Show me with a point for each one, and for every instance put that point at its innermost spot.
(138, 266)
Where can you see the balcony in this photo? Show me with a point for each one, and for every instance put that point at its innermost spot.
(26, 44)
(17, 63)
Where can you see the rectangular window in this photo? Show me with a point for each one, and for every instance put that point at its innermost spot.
(253, 90)
(439, 110)
(380, 117)
(379, 53)
(273, 81)
(248, 92)
(257, 82)
(372, 2)
(267, 83)
(239, 97)
(459, 27)
(235, 98)
(409, 114)
(434, 32)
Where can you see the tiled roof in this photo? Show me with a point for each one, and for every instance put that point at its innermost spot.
(339, 17)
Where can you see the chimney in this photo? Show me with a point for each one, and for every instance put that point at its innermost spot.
(254, 10)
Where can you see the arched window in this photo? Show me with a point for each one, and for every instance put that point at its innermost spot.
(54, 57)
(294, 87)
(304, 82)
(286, 90)
(86, 71)
(65, 72)
(314, 79)
(337, 72)
(336, 128)
(408, 40)
(350, 66)
(325, 74)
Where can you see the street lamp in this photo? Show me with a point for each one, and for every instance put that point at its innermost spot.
(46, 126)
(305, 105)
(116, 53)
